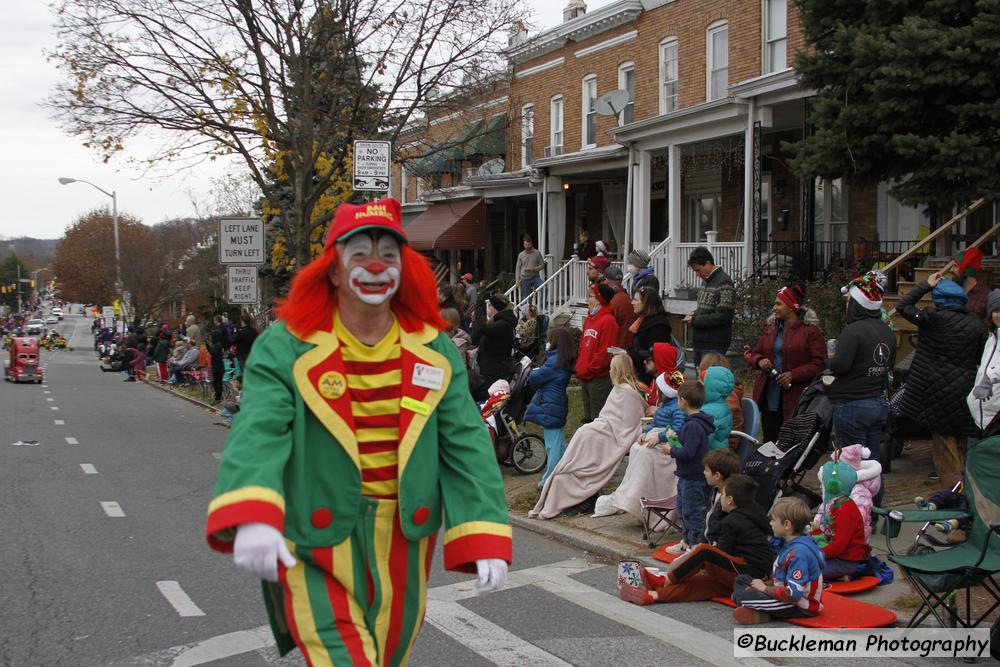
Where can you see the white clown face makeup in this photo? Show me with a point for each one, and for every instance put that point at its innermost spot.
(372, 267)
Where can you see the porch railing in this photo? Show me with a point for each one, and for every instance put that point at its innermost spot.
(808, 261)
(731, 256)
(557, 292)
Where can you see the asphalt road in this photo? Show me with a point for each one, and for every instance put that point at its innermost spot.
(104, 563)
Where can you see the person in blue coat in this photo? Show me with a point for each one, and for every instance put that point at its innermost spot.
(550, 405)
(719, 383)
(668, 412)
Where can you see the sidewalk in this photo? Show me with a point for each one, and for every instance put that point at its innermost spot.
(619, 537)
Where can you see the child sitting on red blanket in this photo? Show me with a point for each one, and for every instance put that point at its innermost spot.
(709, 571)
(841, 531)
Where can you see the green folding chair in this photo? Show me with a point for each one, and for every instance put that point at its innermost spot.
(938, 576)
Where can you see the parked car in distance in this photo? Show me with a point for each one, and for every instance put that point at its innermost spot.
(51, 319)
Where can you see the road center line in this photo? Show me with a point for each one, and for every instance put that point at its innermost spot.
(59, 422)
(46, 392)
(72, 441)
(178, 599)
(89, 468)
(50, 399)
(111, 508)
(53, 407)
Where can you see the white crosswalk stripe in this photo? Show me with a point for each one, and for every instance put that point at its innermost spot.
(489, 640)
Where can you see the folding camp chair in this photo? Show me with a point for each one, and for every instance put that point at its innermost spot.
(660, 510)
(938, 575)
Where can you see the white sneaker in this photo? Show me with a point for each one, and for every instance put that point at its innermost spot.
(678, 548)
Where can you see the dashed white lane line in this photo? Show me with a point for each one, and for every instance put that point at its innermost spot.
(217, 455)
(72, 441)
(50, 400)
(59, 422)
(89, 468)
(111, 508)
(178, 599)
(45, 386)
(54, 407)
(46, 392)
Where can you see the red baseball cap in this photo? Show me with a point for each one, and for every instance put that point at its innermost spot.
(599, 262)
(384, 214)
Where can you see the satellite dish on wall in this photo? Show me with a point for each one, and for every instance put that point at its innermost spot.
(491, 168)
(612, 103)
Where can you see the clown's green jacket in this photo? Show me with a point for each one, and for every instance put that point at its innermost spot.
(291, 460)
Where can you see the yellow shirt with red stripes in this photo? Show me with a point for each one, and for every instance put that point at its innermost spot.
(374, 382)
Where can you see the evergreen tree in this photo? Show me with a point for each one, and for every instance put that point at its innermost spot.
(908, 91)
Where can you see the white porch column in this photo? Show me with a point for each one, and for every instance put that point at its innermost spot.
(555, 225)
(641, 187)
(748, 190)
(674, 214)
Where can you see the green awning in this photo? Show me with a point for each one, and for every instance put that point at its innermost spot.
(492, 139)
(437, 160)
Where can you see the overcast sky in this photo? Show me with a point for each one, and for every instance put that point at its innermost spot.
(34, 152)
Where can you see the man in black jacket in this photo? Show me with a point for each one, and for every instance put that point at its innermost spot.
(216, 350)
(866, 351)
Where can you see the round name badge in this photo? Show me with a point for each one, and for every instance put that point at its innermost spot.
(332, 385)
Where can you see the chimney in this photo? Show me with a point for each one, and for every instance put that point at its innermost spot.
(518, 34)
(573, 9)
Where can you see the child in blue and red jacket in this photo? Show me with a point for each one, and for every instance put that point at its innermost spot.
(796, 589)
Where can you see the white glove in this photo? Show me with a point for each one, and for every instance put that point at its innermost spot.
(492, 575)
(257, 550)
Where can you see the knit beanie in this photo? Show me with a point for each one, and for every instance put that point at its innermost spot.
(603, 292)
(792, 296)
(599, 262)
(867, 290)
(499, 301)
(993, 301)
(638, 258)
(949, 294)
(969, 262)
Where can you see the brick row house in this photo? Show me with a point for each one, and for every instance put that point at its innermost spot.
(695, 157)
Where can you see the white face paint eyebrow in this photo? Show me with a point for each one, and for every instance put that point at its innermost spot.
(388, 247)
(359, 245)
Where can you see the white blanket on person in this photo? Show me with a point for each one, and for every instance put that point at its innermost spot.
(651, 474)
(593, 454)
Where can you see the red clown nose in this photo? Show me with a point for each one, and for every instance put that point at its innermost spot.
(375, 267)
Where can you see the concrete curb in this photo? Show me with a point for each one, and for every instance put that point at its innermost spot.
(157, 385)
(582, 539)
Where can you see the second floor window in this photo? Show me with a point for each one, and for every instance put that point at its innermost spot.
(527, 134)
(718, 61)
(775, 35)
(589, 130)
(626, 82)
(556, 122)
(668, 76)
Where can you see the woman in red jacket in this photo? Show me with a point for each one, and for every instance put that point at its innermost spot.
(790, 353)
(593, 361)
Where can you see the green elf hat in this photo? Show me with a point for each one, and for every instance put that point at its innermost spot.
(969, 262)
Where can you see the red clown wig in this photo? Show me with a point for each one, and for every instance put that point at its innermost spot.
(312, 300)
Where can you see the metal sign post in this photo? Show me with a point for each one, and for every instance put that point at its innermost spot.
(372, 165)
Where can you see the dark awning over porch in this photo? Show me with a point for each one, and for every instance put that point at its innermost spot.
(452, 225)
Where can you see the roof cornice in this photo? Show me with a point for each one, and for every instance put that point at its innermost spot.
(583, 26)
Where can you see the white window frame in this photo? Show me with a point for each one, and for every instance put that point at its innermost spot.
(556, 129)
(420, 188)
(623, 72)
(527, 132)
(711, 67)
(776, 41)
(403, 183)
(588, 112)
(669, 103)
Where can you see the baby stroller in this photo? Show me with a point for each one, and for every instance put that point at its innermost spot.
(502, 414)
(779, 467)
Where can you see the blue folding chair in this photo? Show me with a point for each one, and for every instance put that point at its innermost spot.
(751, 424)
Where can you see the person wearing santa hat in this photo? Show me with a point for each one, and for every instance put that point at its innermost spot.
(356, 440)
(790, 354)
(593, 361)
(866, 352)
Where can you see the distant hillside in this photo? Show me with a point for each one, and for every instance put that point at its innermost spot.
(35, 253)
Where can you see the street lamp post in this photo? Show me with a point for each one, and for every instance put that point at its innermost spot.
(114, 219)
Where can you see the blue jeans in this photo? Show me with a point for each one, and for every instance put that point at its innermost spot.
(555, 445)
(835, 568)
(528, 284)
(692, 501)
(860, 422)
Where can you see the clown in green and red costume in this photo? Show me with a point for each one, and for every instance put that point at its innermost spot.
(355, 435)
